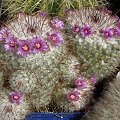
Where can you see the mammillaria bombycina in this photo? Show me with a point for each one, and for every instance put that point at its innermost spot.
(32, 56)
(38, 56)
(9, 107)
(96, 41)
(27, 38)
(74, 98)
(58, 68)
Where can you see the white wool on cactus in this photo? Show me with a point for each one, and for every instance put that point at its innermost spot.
(43, 93)
(70, 68)
(23, 80)
(1, 79)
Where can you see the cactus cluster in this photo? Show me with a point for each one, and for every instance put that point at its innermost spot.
(95, 36)
(38, 55)
(55, 61)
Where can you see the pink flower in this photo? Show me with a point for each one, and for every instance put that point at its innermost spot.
(55, 38)
(80, 83)
(57, 24)
(42, 14)
(39, 45)
(76, 29)
(86, 31)
(24, 48)
(20, 15)
(116, 17)
(93, 79)
(68, 12)
(16, 97)
(4, 33)
(10, 43)
(107, 33)
(116, 32)
(73, 96)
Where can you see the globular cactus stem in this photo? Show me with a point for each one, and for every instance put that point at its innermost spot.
(95, 40)
(12, 105)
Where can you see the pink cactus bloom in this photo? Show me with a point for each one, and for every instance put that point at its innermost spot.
(80, 83)
(10, 43)
(42, 14)
(116, 32)
(76, 29)
(107, 33)
(86, 31)
(93, 79)
(39, 45)
(24, 48)
(68, 12)
(57, 24)
(20, 15)
(16, 97)
(73, 96)
(55, 38)
(116, 18)
(4, 33)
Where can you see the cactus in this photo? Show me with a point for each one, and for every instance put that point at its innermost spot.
(26, 35)
(23, 81)
(44, 88)
(74, 96)
(34, 48)
(1, 79)
(95, 40)
(2, 69)
(11, 106)
(70, 68)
